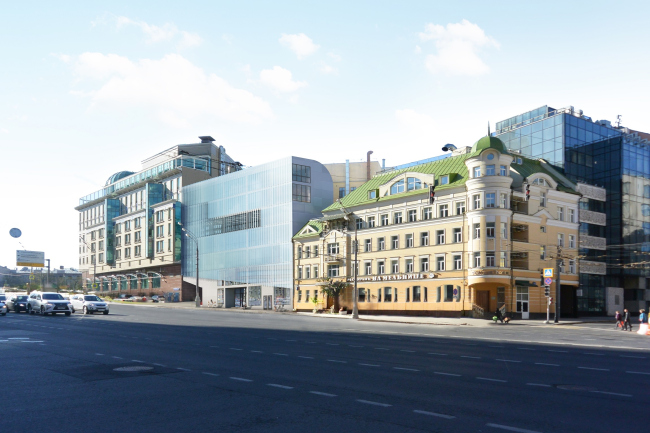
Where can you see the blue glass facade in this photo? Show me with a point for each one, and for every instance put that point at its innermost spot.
(244, 223)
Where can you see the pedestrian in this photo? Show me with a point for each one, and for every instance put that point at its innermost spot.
(643, 317)
(498, 315)
(619, 320)
(626, 320)
(643, 320)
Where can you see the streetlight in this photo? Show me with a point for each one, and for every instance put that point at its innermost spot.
(191, 236)
(94, 261)
(355, 292)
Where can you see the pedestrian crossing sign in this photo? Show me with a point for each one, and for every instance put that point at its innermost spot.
(548, 272)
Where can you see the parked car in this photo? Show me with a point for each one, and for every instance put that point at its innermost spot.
(89, 304)
(47, 303)
(17, 303)
(3, 308)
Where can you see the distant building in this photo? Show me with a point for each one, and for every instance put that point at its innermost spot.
(130, 228)
(348, 176)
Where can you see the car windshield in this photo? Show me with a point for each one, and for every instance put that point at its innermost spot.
(52, 296)
(92, 298)
(3, 298)
(21, 298)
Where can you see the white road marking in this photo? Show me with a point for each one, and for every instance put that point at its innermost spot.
(439, 415)
(471, 357)
(636, 372)
(539, 384)
(408, 351)
(405, 369)
(290, 340)
(210, 374)
(137, 360)
(612, 393)
(446, 374)
(491, 380)
(558, 351)
(381, 348)
(334, 360)
(306, 357)
(593, 368)
(279, 386)
(324, 394)
(354, 346)
(596, 354)
(311, 342)
(99, 354)
(31, 341)
(256, 351)
(630, 356)
(183, 369)
(281, 354)
(439, 354)
(159, 365)
(507, 360)
(234, 348)
(374, 403)
(370, 365)
(241, 379)
(508, 428)
(18, 338)
(525, 348)
(332, 344)
(118, 357)
(550, 365)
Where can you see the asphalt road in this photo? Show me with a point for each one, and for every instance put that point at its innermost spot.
(145, 369)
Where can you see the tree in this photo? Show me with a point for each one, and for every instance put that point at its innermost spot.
(334, 289)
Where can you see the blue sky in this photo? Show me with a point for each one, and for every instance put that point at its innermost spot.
(89, 89)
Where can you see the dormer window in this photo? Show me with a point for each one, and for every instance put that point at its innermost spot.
(410, 184)
(372, 193)
(397, 187)
(541, 182)
(444, 180)
(519, 161)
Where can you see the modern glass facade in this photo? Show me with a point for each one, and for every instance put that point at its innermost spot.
(244, 223)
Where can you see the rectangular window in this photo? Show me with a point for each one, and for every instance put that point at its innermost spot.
(572, 241)
(397, 218)
(368, 268)
(449, 293)
(332, 271)
(388, 295)
(118, 242)
(381, 244)
(384, 219)
(542, 252)
(307, 252)
(417, 294)
(101, 245)
(299, 295)
(489, 230)
(427, 213)
(476, 200)
(372, 193)
(299, 253)
(477, 260)
(504, 201)
(440, 237)
(341, 192)
(307, 299)
(315, 250)
(444, 210)
(362, 294)
(409, 265)
(371, 222)
(359, 223)
(502, 260)
(137, 223)
(333, 248)
(458, 262)
(169, 229)
(380, 267)
(572, 266)
(307, 272)
(444, 180)
(504, 231)
(301, 173)
(490, 199)
(127, 239)
(315, 271)
(560, 213)
(572, 215)
(101, 258)
(138, 250)
(424, 239)
(394, 242)
(118, 254)
(409, 241)
(367, 245)
(424, 264)
(458, 235)
(489, 170)
(477, 231)
(542, 229)
(300, 272)
(169, 245)
(560, 239)
(542, 199)
(477, 171)
(413, 215)
(460, 207)
(394, 266)
(301, 193)
(503, 171)
(489, 259)
(440, 263)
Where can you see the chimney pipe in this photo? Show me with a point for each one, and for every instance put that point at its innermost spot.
(368, 165)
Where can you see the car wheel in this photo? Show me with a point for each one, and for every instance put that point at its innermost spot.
(29, 310)
(4, 314)
(72, 309)
(85, 310)
(42, 311)
(105, 313)
(68, 313)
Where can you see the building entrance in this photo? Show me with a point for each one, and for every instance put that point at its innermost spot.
(240, 297)
(522, 302)
(483, 300)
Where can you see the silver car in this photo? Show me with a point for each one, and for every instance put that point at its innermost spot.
(89, 304)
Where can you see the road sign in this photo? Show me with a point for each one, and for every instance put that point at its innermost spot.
(94, 285)
(548, 281)
(31, 276)
(30, 258)
(548, 272)
(15, 233)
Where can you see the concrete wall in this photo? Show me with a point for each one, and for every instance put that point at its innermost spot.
(614, 300)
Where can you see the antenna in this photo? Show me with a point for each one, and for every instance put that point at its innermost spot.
(618, 121)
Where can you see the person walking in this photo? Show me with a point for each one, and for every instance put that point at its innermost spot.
(619, 320)
(498, 315)
(626, 321)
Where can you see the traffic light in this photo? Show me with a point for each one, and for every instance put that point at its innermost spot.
(550, 301)
(432, 193)
(547, 291)
(527, 192)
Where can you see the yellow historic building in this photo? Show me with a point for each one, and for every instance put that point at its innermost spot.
(481, 244)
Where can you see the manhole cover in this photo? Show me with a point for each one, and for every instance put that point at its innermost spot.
(133, 368)
(576, 387)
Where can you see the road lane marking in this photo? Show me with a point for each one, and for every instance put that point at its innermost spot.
(118, 357)
(539, 384)
(446, 374)
(306, 357)
(381, 348)
(405, 369)
(332, 344)
(630, 356)
(636, 372)
(354, 346)
(183, 369)
(507, 360)
(310, 342)
(31, 341)
(275, 385)
(137, 360)
(593, 368)
(99, 354)
(159, 365)
(290, 340)
(407, 351)
(241, 379)
(210, 374)
(234, 348)
(281, 354)
(374, 403)
(596, 354)
(370, 365)
(508, 428)
(439, 415)
(525, 348)
(491, 380)
(558, 351)
(471, 357)
(324, 394)
(256, 351)
(612, 393)
(20, 338)
(334, 360)
(549, 365)
(439, 354)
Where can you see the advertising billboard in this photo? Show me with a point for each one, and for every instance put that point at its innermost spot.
(30, 258)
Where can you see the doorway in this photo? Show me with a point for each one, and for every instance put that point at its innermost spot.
(240, 297)
(483, 300)
(522, 302)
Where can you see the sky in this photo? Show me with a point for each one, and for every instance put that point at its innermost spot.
(88, 89)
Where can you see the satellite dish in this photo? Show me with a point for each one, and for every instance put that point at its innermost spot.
(15, 233)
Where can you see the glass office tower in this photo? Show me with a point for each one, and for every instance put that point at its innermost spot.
(615, 158)
(244, 223)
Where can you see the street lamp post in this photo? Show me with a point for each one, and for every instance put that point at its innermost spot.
(94, 262)
(197, 299)
(355, 292)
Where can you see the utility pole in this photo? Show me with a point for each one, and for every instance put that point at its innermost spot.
(558, 262)
(355, 292)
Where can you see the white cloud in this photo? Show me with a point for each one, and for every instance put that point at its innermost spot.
(418, 127)
(228, 38)
(4, 130)
(418, 49)
(173, 88)
(327, 69)
(63, 57)
(280, 79)
(457, 47)
(166, 32)
(334, 57)
(301, 44)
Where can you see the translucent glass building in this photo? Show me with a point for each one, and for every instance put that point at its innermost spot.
(243, 223)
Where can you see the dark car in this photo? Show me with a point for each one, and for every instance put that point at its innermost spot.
(17, 304)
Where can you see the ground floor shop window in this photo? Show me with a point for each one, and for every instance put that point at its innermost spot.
(388, 294)
(362, 295)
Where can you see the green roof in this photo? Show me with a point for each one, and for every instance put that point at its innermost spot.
(488, 142)
(313, 224)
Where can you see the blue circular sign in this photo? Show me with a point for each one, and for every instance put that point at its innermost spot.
(548, 281)
(15, 233)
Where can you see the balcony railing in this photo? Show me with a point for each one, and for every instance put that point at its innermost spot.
(332, 258)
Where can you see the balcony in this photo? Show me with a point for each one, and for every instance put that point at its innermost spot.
(332, 258)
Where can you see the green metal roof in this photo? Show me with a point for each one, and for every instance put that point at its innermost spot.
(488, 142)
(318, 226)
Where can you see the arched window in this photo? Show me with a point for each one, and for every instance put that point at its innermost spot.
(397, 187)
(411, 184)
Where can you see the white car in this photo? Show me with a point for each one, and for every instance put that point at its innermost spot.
(47, 303)
(89, 304)
(3, 308)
